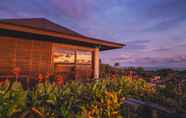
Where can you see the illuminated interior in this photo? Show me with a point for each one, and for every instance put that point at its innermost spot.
(69, 56)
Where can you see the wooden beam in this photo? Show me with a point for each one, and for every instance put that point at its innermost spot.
(96, 62)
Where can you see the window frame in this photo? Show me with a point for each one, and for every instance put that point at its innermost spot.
(74, 49)
(91, 61)
(65, 63)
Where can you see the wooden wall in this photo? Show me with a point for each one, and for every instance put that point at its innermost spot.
(7, 55)
(35, 57)
(32, 56)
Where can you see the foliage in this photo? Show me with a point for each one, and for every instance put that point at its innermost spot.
(172, 96)
(99, 99)
(102, 98)
(8, 105)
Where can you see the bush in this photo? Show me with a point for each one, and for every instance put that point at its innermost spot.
(98, 99)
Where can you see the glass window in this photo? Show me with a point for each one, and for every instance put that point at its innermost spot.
(84, 57)
(64, 56)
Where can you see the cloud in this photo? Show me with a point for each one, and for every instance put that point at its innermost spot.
(167, 8)
(136, 45)
(72, 8)
(158, 61)
(165, 24)
(169, 49)
(124, 57)
(153, 30)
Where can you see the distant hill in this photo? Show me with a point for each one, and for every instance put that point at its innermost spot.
(158, 68)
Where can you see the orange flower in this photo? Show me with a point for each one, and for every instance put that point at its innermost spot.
(90, 114)
(115, 113)
(41, 78)
(38, 112)
(110, 94)
(60, 80)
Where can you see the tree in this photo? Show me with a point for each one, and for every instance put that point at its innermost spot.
(140, 71)
(117, 64)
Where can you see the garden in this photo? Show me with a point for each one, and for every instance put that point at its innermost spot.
(104, 98)
(108, 97)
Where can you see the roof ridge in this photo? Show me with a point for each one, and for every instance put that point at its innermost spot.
(44, 20)
(35, 18)
(58, 25)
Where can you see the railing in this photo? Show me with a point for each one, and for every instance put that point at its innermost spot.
(140, 109)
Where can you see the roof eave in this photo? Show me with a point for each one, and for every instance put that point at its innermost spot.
(97, 42)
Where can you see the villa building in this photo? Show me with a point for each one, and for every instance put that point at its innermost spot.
(38, 45)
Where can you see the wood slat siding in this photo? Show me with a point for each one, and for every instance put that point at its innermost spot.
(84, 72)
(41, 57)
(35, 57)
(31, 56)
(6, 55)
(23, 50)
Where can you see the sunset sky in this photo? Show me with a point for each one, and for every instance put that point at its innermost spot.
(153, 30)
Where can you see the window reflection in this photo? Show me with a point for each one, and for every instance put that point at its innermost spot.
(84, 57)
(64, 56)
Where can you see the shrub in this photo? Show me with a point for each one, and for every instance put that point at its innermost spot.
(99, 99)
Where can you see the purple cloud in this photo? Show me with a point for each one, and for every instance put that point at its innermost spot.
(136, 45)
(154, 30)
(72, 8)
(178, 61)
